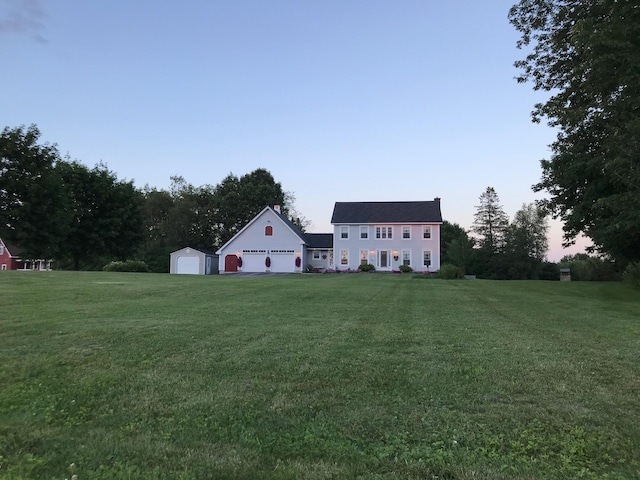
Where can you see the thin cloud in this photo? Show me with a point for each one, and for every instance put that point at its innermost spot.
(22, 17)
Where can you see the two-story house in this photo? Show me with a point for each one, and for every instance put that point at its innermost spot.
(387, 235)
(384, 234)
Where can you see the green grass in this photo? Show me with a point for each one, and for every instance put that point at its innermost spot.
(316, 377)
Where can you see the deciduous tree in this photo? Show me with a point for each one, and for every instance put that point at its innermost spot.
(106, 214)
(587, 55)
(526, 243)
(33, 213)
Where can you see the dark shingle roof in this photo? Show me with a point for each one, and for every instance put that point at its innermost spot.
(319, 240)
(387, 212)
(12, 249)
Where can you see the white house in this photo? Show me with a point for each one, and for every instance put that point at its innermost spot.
(270, 242)
(387, 235)
(193, 261)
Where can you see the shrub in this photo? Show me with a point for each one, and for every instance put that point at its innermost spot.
(126, 266)
(590, 268)
(549, 271)
(367, 267)
(405, 268)
(631, 274)
(450, 272)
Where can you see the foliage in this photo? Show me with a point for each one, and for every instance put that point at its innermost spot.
(207, 216)
(525, 243)
(632, 274)
(450, 272)
(33, 208)
(325, 376)
(106, 214)
(528, 232)
(549, 271)
(586, 267)
(238, 200)
(456, 245)
(126, 266)
(587, 54)
(405, 268)
(366, 267)
(61, 209)
(490, 221)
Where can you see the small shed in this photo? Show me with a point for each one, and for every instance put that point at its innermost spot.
(194, 261)
(565, 275)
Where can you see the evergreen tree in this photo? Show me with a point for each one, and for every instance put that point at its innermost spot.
(490, 222)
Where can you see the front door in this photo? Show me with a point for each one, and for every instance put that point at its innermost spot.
(384, 261)
(231, 263)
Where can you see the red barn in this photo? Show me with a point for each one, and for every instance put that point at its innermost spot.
(10, 260)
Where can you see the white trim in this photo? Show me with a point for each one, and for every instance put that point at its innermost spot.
(430, 258)
(343, 257)
(388, 266)
(402, 257)
(383, 232)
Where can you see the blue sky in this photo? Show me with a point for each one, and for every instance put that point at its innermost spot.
(341, 100)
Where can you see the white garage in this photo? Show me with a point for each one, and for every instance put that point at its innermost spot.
(268, 243)
(193, 261)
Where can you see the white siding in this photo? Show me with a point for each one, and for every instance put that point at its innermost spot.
(416, 244)
(252, 237)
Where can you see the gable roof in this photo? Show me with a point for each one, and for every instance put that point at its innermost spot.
(201, 250)
(291, 225)
(387, 212)
(12, 249)
(282, 217)
(319, 240)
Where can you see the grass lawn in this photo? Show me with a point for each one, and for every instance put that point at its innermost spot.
(369, 376)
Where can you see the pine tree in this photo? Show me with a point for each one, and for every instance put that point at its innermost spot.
(490, 222)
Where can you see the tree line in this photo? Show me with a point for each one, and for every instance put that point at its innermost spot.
(499, 248)
(58, 208)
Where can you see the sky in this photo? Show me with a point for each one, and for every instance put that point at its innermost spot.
(341, 100)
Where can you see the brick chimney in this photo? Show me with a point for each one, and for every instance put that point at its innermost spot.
(437, 199)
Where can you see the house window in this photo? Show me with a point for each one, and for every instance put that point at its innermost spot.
(364, 257)
(426, 232)
(364, 232)
(344, 257)
(268, 230)
(1, 249)
(316, 254)
(406, 232)
(384, 232)
(426, 258)
(406, 257)
(344, 232)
